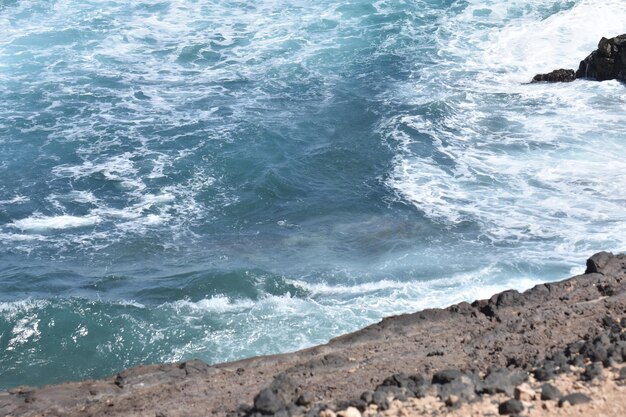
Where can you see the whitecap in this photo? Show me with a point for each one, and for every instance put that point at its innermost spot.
(42, 223)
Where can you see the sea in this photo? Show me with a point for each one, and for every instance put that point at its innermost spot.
(219, 179)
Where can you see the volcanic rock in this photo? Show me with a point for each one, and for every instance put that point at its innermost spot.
(556, 76)
(608, 62)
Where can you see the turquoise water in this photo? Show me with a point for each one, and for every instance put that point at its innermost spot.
(221, 179)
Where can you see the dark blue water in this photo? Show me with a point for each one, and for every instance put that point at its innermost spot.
(222, 179)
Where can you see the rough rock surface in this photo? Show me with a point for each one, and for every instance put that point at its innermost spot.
(511, 329)
(608, 62)
(560, 75)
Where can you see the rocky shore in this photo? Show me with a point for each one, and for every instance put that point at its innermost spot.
(556, 349)
(608, 62)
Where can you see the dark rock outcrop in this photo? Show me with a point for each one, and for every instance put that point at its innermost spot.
(608, 62)
(556, 76)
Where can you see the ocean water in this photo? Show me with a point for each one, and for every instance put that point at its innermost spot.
(219, 179)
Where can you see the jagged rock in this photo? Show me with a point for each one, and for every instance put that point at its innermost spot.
(556, 76)
(608, 62)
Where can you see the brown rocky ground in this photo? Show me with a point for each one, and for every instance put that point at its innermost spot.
(509, 330)
(607, 393)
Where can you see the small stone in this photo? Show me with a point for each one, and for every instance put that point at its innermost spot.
(524, 392)
(306, 398)
(511, 407)
(452, 400)
(380, 399)
(119, 381)
(368, 397)
(446, 376)
(550, 392)
(267, 402)
(502, 380)
(327, 413)
(349, 412)
(574, 399)
(598, 354)
(543, 374)
(592, 371)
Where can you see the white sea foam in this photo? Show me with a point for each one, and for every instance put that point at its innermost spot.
(10, 308)
(328, 311)
(41, 223)
(510, 156)
(215, 304)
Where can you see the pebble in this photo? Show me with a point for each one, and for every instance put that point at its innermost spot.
(511, 407)
(550, 392)
(592, 371)
(446, 376)
(574, 399)
(524, 392)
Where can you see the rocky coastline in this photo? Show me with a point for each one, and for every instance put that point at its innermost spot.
(515, 353)
(608, 62)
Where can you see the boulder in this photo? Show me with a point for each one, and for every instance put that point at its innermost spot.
(608, 62)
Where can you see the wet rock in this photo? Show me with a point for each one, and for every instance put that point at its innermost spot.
(608, 62)
(550, 392)
(511, 407)
(560, 75)
(574, 399)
